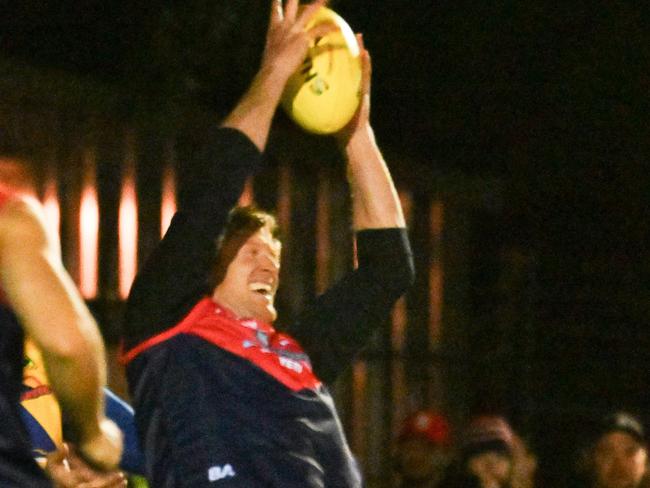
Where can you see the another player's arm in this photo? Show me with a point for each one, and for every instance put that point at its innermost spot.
(55, 316)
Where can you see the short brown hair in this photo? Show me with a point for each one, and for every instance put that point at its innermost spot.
(242, 223)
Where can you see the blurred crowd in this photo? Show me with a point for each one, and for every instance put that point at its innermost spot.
(488, 453)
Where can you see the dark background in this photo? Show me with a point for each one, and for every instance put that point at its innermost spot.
(550, 99)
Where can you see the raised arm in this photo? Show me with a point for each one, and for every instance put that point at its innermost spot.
(174, 278)
(375, 203)
(286, 47)
(339, 323)
(51, 311)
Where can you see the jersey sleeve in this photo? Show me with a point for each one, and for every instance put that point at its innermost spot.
(338, 324)
(175, 276)
(122, 414)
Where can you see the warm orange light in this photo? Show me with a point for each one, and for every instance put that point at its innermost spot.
(399, 387)
(398, 376)
(406, 201)
(399, 317)
(128, 234)
(88, 229)
(399, 394)
(284, 199)
(359, 413)
(436, 274)
(16, 175)
(283, 210)
(437, 219)
(168, 203)
(322, 234)
(398, 330)
(52, 208)
(247, 197)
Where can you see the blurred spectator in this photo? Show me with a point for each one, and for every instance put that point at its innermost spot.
(422, 450)
(485, 457)
(524, 464)
(616, 455)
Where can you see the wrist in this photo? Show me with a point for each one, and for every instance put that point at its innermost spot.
(85, 435)
(270, 81)
(103, 449)
(362, 139)
(254, 112)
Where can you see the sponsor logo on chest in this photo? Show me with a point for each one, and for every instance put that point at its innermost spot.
(218, 473)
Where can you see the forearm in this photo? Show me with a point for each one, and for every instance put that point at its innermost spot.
(49, 308)
(76, 378)
(254, 112)
(73, 352)
(375, 203)
(75, 363)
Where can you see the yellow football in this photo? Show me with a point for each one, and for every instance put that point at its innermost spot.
(323, 94)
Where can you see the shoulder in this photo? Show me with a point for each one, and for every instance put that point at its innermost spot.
(22, 221)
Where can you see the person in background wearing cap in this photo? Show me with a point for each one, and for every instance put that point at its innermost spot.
(617, 455)
(222, 399)
(485, 458)
(423, 450)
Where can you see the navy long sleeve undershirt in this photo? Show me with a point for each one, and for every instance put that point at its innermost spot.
(175, 276)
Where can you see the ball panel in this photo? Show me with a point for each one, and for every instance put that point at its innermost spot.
(323, 94)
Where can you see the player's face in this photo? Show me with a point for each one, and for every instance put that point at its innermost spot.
(619, 461)
(251, 280)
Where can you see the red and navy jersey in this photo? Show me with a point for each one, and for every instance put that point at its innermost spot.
(277, 354)
(17, 467)
(222, 401)
(210, 415)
